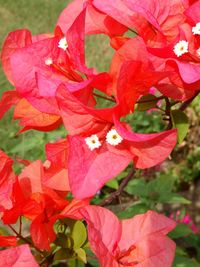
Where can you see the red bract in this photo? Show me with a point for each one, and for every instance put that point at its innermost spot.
(164, 17)
(41, 65)
(39, 195)
(163, 25)
(8, 241)
(20, 257)
(7, 178)
(31, 118)
(9, 99)
(133, 73)
(15, 40)
(140, 241)
(92, 164)
(96, 22)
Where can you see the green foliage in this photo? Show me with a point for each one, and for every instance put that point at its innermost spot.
(159, 190)
(71, 241)
(144, 122)
(181, 261)
(133, 210)
(146, 102)
(180, 121)
(181, 230)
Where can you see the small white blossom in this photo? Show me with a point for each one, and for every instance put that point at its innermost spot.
(196, 29)
(63, 43)
(93, 142)
(113, 138)
(181, 48)
(48, 61)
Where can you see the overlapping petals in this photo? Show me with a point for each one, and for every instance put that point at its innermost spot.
(140, 241)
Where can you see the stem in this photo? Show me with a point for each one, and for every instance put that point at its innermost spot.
(47, 260)
(104, 97)
(24, 239)
(168, 113)
(151, 100)
(20, 225)
(119, 191)
(133, 31)
(187, 102)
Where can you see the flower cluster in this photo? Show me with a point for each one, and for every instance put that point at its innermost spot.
(54, 86)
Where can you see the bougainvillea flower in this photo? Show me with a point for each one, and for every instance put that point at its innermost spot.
(192, 12)
(8, 99)
(39, 194)
(7, 178)
(31, 118)
(156, 21)
(96, 22)
(91, 166)
(19, 256)
(132, 72)
(39, 67)
(140, 241)
(181, 61)
(8, 241)
(15, 40)
(37, 176)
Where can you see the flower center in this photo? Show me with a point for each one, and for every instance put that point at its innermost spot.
(181, 48)
(113, 138)
(93, 142)
(63, 44)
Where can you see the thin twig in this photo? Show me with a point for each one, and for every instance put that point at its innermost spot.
(24, 239)
(20, 225)
(104, 97)
(151, 100)
(133, 31)
(168, 113)
(188, 102)
(119, 191)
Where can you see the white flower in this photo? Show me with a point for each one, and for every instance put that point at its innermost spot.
(196, 29)
(93, 142)
(113, 138)
(48, 61)
(181, 48)
(63, 43)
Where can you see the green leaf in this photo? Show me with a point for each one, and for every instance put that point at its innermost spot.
(173, 198)
(81, 254)
(137, 187)
(181, 261)
(92, 259)
(181, 230)
(180, 121)
(79, 234)
(132, 211)
(161, 185)
(113, 184)
(63, 254)
(64, 241)
(146, 102)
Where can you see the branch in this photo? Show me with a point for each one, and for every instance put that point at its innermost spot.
(24, 239)
(119, 191)
(104, 97)
(188, 102)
